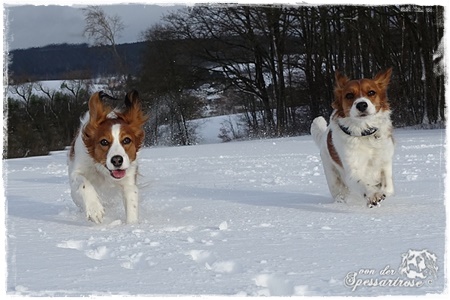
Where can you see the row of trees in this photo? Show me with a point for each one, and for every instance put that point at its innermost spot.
(275, 64)
(278, 59)
(42, 119)
(39, 124)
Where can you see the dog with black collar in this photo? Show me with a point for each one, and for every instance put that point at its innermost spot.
(357, 147)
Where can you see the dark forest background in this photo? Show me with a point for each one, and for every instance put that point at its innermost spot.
(274, 65)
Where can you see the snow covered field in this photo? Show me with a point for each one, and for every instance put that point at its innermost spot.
(241, 218)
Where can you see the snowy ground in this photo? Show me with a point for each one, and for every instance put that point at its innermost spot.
(242, 218)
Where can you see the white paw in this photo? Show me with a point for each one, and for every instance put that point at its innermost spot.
(95, 212)
(375, 199)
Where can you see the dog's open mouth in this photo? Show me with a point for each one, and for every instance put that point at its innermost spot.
(118, 174)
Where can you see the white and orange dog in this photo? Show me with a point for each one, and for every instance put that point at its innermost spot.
(104, 153)
(357, 146)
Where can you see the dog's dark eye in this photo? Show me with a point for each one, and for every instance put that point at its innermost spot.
(104, 142)
(350, 96)
(371, 93)
(126, 140)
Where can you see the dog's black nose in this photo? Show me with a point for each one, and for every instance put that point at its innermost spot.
(117, 161)
(361, 106)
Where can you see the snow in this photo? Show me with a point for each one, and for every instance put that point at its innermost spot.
(208, 129)
(251, 218)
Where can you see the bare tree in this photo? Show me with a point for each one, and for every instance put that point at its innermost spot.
(249, 45)
(25, 93)
(103, 30)
(77, 88)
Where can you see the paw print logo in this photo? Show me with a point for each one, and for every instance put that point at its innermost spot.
(420, 264)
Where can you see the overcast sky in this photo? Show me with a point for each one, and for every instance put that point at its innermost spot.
(35, 26)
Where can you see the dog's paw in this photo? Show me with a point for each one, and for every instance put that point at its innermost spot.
(375, 199)
(95, 212)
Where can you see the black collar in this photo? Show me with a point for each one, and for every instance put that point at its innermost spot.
(367, 132)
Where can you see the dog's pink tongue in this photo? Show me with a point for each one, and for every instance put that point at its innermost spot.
(118, 173)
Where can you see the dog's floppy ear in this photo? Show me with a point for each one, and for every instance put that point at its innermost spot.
(341, 79)
(383, 78)
(134, 116)
(97, 109)
(133, 110)
(132, 98)
(98, 112)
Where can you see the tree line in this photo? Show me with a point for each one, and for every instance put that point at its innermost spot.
(39, 124)
(275, 65)
(278, 59)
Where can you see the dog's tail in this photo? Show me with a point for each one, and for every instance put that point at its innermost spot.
(318, 128)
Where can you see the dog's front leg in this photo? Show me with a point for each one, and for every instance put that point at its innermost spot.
(85, 196)
(378, 192)
(367, 188)
(388, 183)
(131, 199)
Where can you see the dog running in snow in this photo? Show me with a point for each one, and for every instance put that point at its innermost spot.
(357, 147)
(104, 154)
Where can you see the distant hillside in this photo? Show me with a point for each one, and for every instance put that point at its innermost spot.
(63, 60)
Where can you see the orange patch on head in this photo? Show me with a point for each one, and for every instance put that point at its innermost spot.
(102, 140)
(134, 118)
(97, 134)
(130, 140)
(98, 113)
(346, 91)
